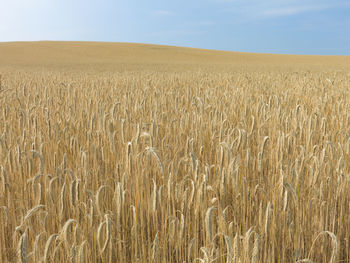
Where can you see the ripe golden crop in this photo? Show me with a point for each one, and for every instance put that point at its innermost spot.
(137, 153)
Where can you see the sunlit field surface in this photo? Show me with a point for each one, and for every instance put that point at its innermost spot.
(144, 153)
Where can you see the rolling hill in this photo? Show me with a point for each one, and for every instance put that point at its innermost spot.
(102, 56)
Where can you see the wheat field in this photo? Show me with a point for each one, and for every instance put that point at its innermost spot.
(114, 152)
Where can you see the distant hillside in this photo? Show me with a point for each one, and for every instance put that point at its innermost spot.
(127, 56)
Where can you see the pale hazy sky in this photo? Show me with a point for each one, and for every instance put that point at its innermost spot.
(290, 26)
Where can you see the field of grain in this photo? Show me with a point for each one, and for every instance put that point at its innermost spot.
(141, 153)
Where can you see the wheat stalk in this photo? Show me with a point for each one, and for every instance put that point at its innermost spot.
(22, 248)
(209, 222)
(334, 245)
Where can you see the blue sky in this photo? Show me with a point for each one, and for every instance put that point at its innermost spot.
(269, 26)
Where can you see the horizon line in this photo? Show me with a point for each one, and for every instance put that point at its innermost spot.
(174, 46)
